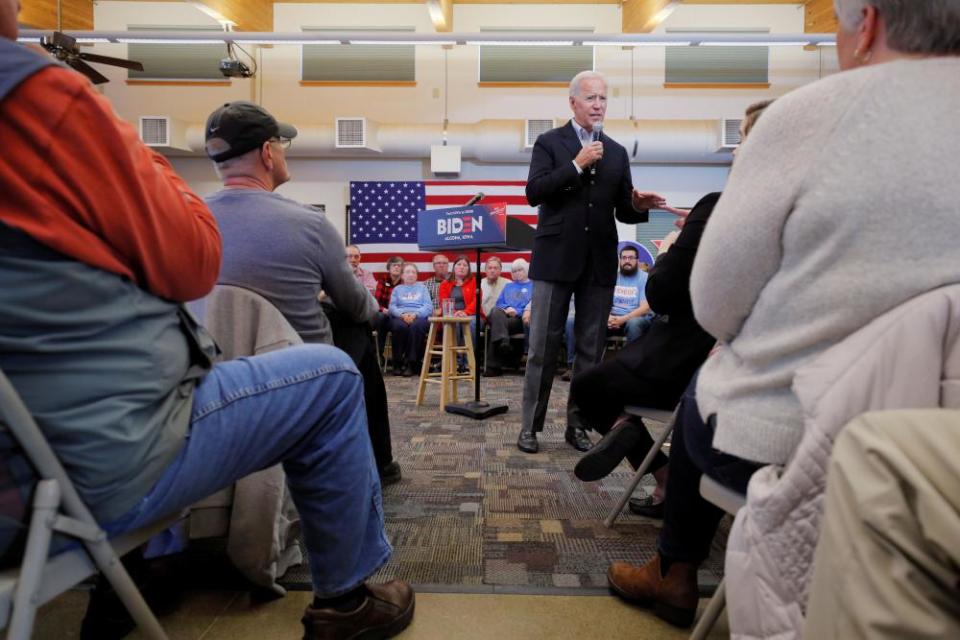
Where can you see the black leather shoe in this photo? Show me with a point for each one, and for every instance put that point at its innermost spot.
(607, 454)
(390, 474)
(527, 442)
(647, 508)
(577, 438)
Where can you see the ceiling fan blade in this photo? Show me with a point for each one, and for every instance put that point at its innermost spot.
(117, 62)
(61, 39)
(95, 76)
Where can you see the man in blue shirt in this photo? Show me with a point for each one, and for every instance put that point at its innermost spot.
(630, 314)
(511, 315)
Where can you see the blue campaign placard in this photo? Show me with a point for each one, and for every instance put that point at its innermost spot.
(477, 226)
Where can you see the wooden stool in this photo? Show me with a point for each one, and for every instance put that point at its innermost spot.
(448, 378)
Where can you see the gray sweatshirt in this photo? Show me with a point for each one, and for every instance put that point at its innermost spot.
(288, 252)
(843, 203)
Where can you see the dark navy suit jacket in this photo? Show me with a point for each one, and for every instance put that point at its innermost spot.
(576, 225)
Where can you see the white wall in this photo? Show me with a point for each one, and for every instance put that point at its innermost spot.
(326, 181)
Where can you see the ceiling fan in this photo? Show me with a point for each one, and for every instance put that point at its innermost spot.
(66, 50)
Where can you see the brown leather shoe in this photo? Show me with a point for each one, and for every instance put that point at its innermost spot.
(386, 612)
(674, 597)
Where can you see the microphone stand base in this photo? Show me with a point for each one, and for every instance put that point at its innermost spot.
(476, 409)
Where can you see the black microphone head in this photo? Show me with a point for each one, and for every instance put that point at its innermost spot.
(597, 130)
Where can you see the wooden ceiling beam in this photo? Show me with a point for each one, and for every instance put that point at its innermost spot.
(643, 16)
(43, 14)
(247, 15)
(441, 14)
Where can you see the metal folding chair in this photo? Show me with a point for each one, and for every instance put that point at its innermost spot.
(731, 502)
(659, 415)
(58, 508)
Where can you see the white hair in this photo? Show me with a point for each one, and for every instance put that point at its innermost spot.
(520, 263)
(580, 77)
(913, 26)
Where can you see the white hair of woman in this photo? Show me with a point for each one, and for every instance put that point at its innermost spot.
(520, 263)
(927, 27)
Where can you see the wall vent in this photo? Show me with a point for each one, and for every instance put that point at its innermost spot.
(351, 133)
(155, 131)
(730, 133)
(533, 129)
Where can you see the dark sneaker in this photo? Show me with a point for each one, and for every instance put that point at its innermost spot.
(386, 612)
(647, 508)
(607, 454)
(390, 474)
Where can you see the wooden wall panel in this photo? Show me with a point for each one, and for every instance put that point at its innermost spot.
(42, 14)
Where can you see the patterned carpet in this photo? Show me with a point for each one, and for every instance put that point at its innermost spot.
(474, 514)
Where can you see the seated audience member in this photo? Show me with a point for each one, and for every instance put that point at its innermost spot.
(93, 219)
(365, 277)
(654, 370)
(797, 257)
(507, 317)
(630, 314)
(492, 285)
(441, 273)
(385, 287)
(410, 308)
(288, 252)
(462, 289)
(886, 564)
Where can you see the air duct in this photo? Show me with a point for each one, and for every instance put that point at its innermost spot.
(504, 141)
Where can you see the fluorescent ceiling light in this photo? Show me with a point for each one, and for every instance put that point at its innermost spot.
(163, 41)
(403, 42)
(26, 39)
(753, 43)
(296, 42)
(826, 44)
(92, 40)
(521, 43)
(645, 43)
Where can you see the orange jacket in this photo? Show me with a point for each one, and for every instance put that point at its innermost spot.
(469, 294)
(78, 179)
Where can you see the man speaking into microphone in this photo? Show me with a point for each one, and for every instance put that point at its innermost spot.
(580, 180)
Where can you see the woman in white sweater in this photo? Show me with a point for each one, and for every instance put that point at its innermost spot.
(844, 203)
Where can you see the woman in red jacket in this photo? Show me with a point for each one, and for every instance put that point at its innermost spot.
(462, 289)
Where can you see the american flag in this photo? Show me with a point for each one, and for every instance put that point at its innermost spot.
(383, 217)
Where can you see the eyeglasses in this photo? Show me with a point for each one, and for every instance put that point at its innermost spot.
(283, 142)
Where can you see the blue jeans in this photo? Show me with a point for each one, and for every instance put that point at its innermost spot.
(302, 406)
(636, 327)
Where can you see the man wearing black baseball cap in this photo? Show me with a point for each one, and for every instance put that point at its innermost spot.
(288, 253)
(239, 127)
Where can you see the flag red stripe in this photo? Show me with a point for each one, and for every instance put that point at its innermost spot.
(485, 183)
(455, 200)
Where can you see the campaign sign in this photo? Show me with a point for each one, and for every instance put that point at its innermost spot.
(476, 226)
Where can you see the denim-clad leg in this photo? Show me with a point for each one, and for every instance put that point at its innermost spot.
(634, 328)
(301, 406)
(689, 521)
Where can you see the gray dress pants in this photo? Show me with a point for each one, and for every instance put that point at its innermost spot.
(548, 315)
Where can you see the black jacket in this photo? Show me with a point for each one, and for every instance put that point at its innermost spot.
(576, 215)
(675, 346)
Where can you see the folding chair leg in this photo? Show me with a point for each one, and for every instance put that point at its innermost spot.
(641, 471)
(46, 504)
(711, 614)
(114, 571)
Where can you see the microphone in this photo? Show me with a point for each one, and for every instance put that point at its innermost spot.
(475, 199)
(597, 131)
